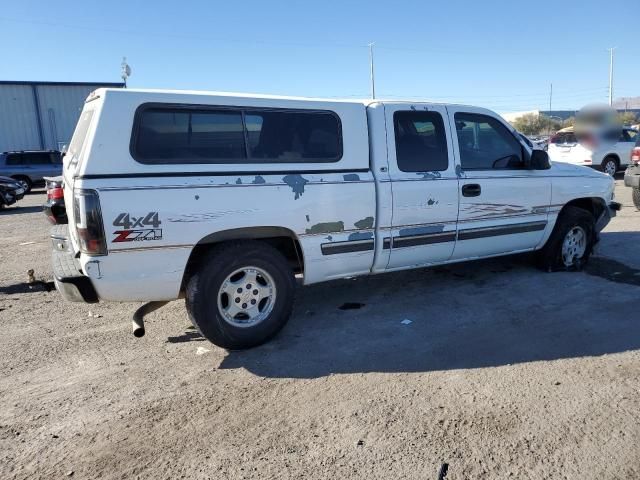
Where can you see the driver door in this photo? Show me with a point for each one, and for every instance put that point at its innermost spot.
(503, 205)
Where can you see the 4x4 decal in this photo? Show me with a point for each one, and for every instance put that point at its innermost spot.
(133, 228)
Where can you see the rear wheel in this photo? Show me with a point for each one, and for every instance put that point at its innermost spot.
(609, 166)
(242, 295)
(635, 194)
(25, 182)
(571, 241)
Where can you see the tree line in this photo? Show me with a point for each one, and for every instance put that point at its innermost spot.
(535, 124)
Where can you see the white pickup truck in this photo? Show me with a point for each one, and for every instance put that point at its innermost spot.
(224, 199)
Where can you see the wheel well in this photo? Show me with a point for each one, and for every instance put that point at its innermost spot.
(614, 156)
(22, 177)
(594, 205)
(282, 239)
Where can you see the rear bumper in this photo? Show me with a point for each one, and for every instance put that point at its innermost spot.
(632, 176)
(55, 212)
(72, 284)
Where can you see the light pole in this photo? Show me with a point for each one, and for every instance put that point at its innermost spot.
(611, 75)
(373, 82)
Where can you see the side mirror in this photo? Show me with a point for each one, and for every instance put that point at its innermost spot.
(539, 160)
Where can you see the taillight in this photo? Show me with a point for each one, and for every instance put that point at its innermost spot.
(55, 193)
(88, 221)
(635, 155)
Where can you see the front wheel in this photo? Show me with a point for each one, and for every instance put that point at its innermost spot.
(635, 194)
(609, 166)
(25, 183)
(242, 295)
(571, 241)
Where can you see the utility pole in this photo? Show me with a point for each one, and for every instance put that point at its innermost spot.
(550, 98)
(611, 75)
(373, 82)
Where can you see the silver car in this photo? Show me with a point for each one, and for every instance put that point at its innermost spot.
(30, 167)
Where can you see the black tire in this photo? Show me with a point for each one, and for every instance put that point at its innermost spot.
(607, 160)
(203, 287)
(635, 194)
(550, 256)
(26, 181)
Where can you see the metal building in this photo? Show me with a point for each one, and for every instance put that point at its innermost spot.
(41, 115)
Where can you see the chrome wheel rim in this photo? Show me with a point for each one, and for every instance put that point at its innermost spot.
(574, 246)
(246, 297)
(610, 168)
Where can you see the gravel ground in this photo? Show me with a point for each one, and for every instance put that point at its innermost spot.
(505, 371)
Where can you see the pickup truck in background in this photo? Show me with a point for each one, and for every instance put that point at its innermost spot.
(224, 199)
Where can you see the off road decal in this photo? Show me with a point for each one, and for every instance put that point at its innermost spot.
(133, 228)
(137, 235)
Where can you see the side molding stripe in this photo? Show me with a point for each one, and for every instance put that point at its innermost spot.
(484, 232)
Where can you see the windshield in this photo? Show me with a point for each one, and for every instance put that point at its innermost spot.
(79, 136)
(564, 137)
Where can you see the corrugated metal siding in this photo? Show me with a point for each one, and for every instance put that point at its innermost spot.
(18, 120)
(59, 105)
(60, 108)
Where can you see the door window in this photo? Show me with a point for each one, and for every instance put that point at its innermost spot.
(15, 159)
(629, 136)
(485, 143)
(421, 143)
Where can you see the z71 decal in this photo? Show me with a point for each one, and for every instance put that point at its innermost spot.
(133, 228)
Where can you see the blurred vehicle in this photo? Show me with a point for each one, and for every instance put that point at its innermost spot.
(632, 175)
(10, 191)
(541, 140)
(30, 167)
(54, 206)
(604, 150)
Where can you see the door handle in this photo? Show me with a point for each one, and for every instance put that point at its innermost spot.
(471, 190)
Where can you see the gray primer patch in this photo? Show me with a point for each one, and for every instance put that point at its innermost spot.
(431, 201)
(459, 172)
(307, 217)
(429, 175)
(351, 177)
(361, 236)
(239, 181)
(297, 183)
(329, 237)
(258, 180)
(366, 222)
(406, 232)
(197, 197)
(327, 227)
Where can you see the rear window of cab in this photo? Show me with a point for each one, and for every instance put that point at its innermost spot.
(168, 134)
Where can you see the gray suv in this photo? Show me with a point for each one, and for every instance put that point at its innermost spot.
(30, 167)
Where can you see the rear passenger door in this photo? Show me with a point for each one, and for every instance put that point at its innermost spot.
(424, 186)
(503, 205)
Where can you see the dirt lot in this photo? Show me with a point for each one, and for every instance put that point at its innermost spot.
(505, 371)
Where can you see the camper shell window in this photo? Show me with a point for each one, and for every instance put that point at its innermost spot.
(177, 134)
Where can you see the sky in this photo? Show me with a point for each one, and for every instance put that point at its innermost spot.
(502, 55)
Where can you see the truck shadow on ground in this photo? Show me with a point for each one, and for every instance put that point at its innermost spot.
(18, 210)
(482, 314)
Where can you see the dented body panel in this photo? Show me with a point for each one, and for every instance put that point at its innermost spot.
(358, 215)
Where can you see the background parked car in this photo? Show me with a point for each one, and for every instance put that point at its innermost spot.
(30, 167)
(10, 191)
(632, 175)
(607, 151)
